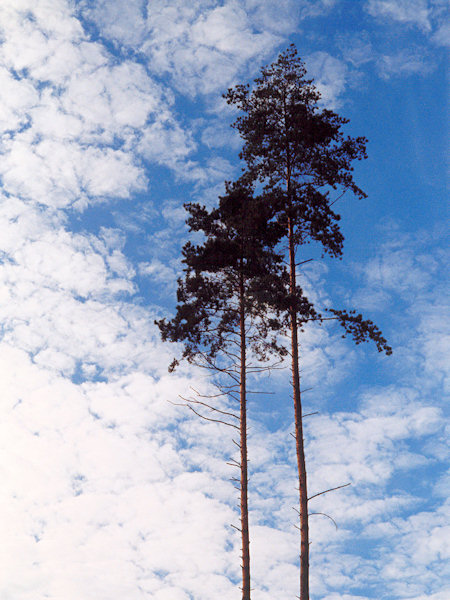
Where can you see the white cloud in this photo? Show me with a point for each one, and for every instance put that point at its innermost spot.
(314, 9)
(123, 20)
(281, 18)
(330, 76)
(78, 109)
(422, 543)
(60, 174)
(442, 487)
(161, 273)
(114, 470)
(91, 471)
(434, 340)
(414, 12)
(216, 134)
(108, 490)
(345, 597)
(442, 595)
(59, 293)
(401, 270)
(441, 36)
(101, 492)
(224, 28)
(166, 143)
(353, 441)
(202, 46)
(356, 48)
(405, 62)
(21, 96)
(408, 269)
(372, 447)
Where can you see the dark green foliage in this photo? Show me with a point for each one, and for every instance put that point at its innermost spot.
(361, 330)
(241, 235)
(234, 296)
(236, 292)
(300, 154)
(296, 149)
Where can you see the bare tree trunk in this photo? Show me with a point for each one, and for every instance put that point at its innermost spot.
(243, 447)
(301, 466)
(303, 496)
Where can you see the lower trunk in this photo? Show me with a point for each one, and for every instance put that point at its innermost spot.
(303, 495)
(243, 447)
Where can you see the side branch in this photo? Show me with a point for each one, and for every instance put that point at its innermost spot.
(203, 416)
(325, 515)
(339, 487)
(222, 412)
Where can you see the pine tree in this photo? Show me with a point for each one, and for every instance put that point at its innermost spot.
(233, 295)
(299, 154)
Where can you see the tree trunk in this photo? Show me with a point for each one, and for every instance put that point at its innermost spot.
(243, 447)
(303, 496)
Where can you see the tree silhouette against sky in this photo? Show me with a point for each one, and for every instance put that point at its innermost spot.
(298, 152)
(232, 303)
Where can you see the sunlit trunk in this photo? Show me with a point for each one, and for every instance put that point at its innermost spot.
(303, 496)
(243, 446)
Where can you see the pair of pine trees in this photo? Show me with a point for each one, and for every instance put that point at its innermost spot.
(239, 297)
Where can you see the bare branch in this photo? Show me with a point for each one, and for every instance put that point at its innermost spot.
(303, 262)
(203, 416)
(207, 396)
(339, 487)
(325, 515)
(339, 197)
(222, 412)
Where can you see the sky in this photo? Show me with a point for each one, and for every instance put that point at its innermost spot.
(111, 117)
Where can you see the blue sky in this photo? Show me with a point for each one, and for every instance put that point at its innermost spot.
(111, 116)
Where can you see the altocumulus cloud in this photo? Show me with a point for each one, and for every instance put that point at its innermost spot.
(108, 490)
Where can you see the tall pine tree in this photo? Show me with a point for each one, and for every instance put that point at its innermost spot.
(299, 153)
(233, 295)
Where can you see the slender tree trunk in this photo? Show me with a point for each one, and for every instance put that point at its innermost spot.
(303, 496)
(243, 446)
(301, 465)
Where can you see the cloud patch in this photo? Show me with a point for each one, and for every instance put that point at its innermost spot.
(413, 12)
